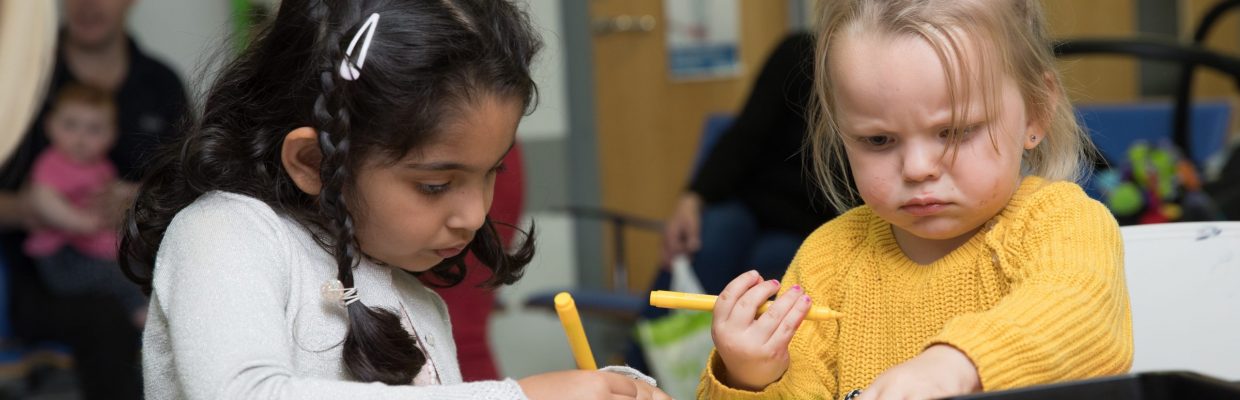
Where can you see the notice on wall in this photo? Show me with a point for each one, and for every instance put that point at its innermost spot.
(703, 38)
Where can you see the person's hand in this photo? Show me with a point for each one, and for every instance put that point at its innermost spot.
(111, 203)
(939, 371)
(31, 222)
(24, 208)
(587, 385)
(755, 351)
(88, 224)
(83, 222)
(682, 233)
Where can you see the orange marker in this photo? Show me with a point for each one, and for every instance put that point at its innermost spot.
(705, 302)
(567, 310)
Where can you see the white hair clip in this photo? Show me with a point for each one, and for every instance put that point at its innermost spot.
(348, 70)
(335, 292)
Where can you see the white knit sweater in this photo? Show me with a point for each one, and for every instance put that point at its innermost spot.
(237, 313)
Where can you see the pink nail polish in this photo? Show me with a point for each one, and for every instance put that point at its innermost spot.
(796, 287)
(775, 281)
(806, 298)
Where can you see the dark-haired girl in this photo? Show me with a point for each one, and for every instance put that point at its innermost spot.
(353, 146)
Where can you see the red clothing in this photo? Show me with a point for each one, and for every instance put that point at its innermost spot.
(470, 306)
(78, 183)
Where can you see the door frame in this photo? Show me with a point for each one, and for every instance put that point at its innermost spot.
(581, 141)
(582, 136)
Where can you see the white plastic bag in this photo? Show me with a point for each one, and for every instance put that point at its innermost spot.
(676, 346)
(683, 278)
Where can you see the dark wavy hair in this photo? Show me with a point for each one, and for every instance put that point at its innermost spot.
(427, 61)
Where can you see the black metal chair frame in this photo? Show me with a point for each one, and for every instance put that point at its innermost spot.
(1189, 56)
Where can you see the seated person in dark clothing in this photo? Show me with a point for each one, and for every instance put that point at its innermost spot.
(94, 49)
(753, 200)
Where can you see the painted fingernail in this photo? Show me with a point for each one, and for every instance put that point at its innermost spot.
(775, 281)
(796, 288)
(806, 298)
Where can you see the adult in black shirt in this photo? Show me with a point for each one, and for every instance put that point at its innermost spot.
(753, 201)
(93, 49)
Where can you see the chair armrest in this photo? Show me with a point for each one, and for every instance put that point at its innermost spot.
(618, 221)
(622, 306)
(615, 217)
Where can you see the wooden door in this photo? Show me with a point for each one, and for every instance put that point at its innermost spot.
(1095, 78)
(648, 125)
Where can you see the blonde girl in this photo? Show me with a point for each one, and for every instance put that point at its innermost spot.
(974, 262)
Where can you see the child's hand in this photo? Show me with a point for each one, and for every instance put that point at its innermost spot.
(110, 204)
(755, 351)
(939, 371)
(581, 384)
(88, 223)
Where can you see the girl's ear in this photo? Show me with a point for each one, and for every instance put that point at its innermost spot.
(301, 157)
(1036, 130)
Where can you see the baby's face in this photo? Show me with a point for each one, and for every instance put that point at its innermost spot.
(84, 132)
(895, 118)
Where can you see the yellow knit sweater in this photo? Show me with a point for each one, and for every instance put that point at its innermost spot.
(1037, 296)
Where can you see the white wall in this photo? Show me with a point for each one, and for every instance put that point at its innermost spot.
(550, 119)
(183, 33)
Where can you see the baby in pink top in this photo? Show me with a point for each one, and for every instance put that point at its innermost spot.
(75, 249)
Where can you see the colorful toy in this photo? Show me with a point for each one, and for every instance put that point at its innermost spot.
(1156, 184)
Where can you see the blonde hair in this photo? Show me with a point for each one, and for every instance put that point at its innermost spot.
(1010, 37)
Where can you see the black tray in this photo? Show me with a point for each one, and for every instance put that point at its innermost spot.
(1143, 386)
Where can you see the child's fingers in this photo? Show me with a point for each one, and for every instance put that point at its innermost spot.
(620, 385)
(623, 387)
(774, 315)
(867, 394)
(642, 395)
(873, 392)
(798, 309)
(747, 305)
(731, 293)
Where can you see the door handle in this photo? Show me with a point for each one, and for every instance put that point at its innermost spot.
(622, 24)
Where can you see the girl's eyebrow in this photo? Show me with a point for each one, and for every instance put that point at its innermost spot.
(438, 166)
(454, 166)
(505, 155)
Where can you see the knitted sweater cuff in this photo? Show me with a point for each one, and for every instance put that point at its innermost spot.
(982, 349)
(713, 388)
